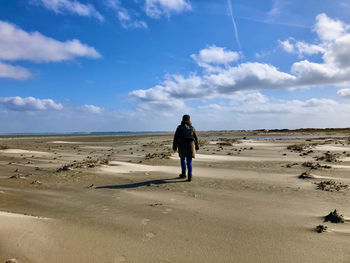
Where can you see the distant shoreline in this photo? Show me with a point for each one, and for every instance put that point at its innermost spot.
(73, 134)
(261, 131)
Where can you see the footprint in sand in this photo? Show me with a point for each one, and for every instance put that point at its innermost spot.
(145, 221)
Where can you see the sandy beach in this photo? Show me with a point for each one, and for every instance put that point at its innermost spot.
(118, 198)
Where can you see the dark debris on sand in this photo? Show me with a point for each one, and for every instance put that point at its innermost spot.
(162, 155)
(298, 147)
(321, 229)
(334, 217)
(331, 186)
(305, 175)
(83, 164)
(328, 157)
(315, 166)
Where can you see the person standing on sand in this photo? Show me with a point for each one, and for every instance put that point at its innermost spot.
(186, 141)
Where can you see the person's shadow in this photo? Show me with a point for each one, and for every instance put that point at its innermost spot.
(146, 183)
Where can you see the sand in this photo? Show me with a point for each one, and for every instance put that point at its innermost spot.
(244, 205)
(64, 142)
(20, 151)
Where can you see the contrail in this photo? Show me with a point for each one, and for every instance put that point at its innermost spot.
(234, 25)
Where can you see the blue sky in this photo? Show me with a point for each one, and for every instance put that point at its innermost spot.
(116, 65)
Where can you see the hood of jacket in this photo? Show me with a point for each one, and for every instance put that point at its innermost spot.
(186, 123)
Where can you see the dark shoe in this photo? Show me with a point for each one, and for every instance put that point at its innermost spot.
(182, 176)
(189, 179)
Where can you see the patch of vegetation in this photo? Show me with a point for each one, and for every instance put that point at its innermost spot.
(331, 186)
(321, 229)
(334, 217)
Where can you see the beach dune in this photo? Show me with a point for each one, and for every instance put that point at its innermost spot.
(119, 199)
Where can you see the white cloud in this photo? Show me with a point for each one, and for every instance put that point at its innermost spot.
(329, 29)
(248, 98)
(316, 74)
(29, 104)
(292, 107)
(212, 56)
(92, 108)
(162, 106)
(345, 93)
(166, 115)
(224, 80)
(157, 8)
(301, 48)
(338, 52)
(333, 44)
(276, 8)
(333, 37)
(134, 24)
(308, 49)
(250, 76)
(318, 103)
(246, 76)
(13, 72)
(287, 45)
(215, 107)
(72, 6)
(17, 44)
(174, 87)
(124, 17)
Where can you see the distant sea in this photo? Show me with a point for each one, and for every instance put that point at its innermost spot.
(17, 135)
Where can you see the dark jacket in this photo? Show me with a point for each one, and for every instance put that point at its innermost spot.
(185, 148)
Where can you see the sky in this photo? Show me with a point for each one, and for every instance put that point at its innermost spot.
(139, 65)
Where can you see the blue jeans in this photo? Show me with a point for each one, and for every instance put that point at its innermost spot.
(189, 166)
